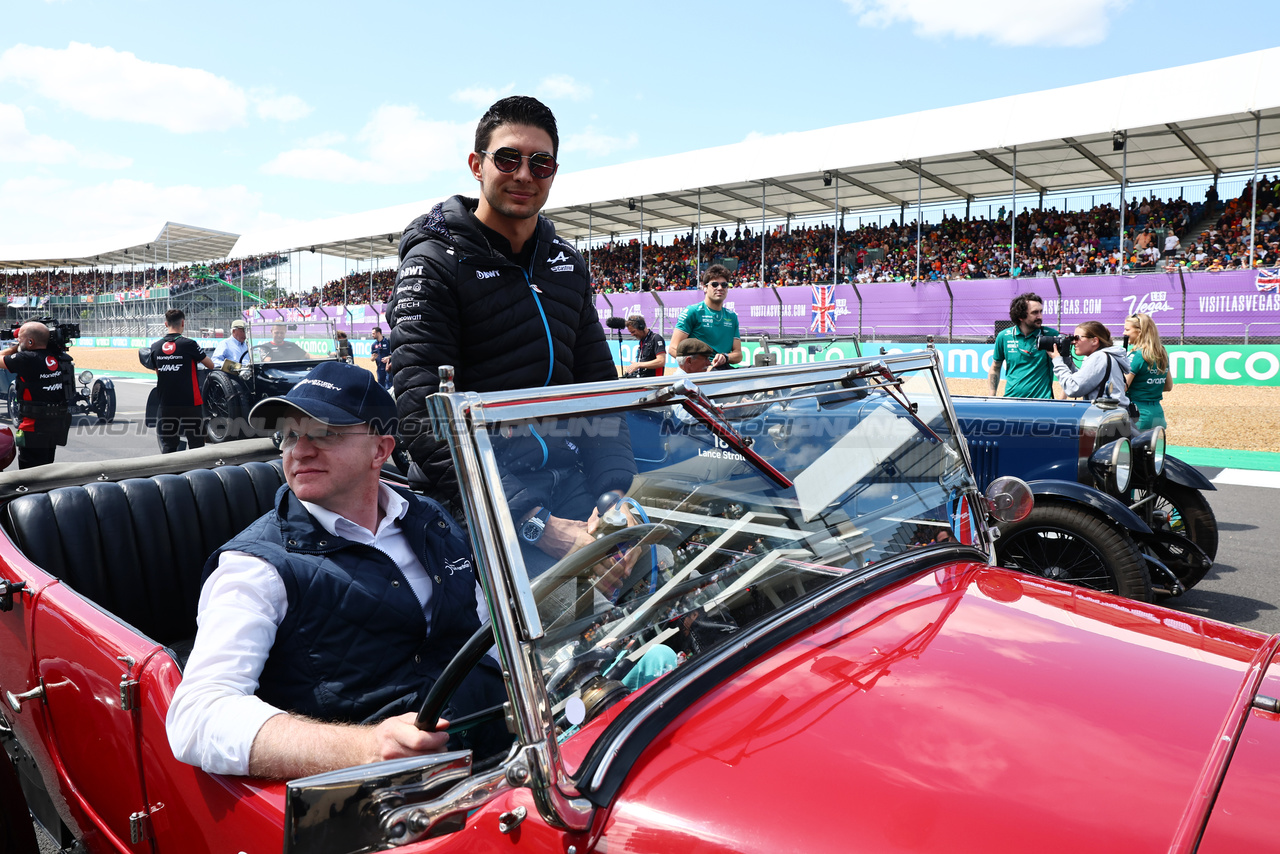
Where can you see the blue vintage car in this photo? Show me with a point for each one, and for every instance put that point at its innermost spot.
(1113, 510)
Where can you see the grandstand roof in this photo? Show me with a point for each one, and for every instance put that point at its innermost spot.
(1192, 120)
(171, 242)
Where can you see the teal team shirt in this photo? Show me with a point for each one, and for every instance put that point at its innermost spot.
(1028, 371)
(716, 329)
(1148, 380)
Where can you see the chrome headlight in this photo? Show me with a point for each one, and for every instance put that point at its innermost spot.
(1112, 466)
(85, 377)
(1148, 453)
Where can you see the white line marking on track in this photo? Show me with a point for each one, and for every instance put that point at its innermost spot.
(1247, 477)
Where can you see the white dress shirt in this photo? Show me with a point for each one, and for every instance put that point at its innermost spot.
(231, 349)
(215, 714)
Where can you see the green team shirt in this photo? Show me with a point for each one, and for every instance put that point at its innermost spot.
(1028, 371)
(716, 329)
(1148, 380)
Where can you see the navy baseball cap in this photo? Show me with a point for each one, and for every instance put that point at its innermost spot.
(335, 393)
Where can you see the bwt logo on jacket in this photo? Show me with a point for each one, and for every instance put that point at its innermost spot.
(411, 271)
(486, 274)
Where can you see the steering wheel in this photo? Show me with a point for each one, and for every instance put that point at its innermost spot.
(442, 691)
(478, 644)
(572, 564)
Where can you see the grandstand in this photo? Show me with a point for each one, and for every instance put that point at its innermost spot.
(941, 168)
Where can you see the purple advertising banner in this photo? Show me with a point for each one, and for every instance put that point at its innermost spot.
(1238, 303)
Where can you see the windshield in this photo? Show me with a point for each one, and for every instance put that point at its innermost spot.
(651, 533)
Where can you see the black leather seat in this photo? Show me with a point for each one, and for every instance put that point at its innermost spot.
(137, 547)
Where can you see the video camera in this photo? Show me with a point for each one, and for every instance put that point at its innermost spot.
(1063, 342)
(60, 334)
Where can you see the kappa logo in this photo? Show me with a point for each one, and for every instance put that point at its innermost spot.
(168, 347)
(486, 274)
(562, 268)
(459, 565)
(558, 259)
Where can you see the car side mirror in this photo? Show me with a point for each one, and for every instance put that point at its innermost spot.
(357, 809)
(1009, 499)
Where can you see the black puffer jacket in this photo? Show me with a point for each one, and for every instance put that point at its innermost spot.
(459, 302)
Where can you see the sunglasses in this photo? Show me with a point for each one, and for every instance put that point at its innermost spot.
(541, 165)
(325, 440)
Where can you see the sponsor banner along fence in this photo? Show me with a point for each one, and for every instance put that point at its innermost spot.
(1230, 304)
(1210, 364)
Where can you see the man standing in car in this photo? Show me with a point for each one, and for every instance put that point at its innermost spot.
(175, 357)
(486, 286)
(44, 383)
(710, 322)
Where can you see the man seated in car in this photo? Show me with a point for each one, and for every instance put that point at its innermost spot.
(324, 623)
(694, 356)
(280, 350)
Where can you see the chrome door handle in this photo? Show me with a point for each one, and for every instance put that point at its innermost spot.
(16, 700)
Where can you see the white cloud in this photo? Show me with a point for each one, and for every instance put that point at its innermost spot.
(284, 108)
(563, 86)
(596, 144)
(325, 140)
(19, 145)
(400, 147)
(1015, 23)
(481, 97)
(104, 83)
(31, 209)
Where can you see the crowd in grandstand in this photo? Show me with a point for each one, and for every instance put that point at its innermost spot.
(1159, 235)
(82, 282)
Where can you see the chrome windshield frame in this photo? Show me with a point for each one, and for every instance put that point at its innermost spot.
(465, 419)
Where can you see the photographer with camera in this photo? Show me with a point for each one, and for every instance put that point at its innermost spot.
(1030, 373)
(651, 353)
(1101, 374)
(45, 385)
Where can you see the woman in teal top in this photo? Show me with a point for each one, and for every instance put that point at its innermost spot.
(1149, 377)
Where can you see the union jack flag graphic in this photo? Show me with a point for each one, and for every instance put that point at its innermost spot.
(824, 309)
(1268, 279)
(963, 522)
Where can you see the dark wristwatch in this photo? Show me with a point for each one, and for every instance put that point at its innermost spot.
(531, 530)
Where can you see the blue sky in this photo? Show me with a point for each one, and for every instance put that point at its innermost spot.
(237, 116)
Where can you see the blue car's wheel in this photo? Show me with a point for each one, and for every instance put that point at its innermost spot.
(1071, 545)
(1184, 511)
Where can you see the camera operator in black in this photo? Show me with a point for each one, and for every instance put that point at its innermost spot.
(44, 382)
(651, 353)
(175, 358)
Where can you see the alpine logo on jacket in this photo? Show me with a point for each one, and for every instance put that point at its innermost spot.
(487, 274)
(558, 259)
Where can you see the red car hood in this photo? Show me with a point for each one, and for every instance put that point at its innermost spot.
(968, 710)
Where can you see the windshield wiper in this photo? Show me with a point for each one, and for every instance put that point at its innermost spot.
(707, 413)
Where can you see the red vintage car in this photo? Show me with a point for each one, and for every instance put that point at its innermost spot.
(792, 638)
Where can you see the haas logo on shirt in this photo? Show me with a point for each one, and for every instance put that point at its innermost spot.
(168, 347)
(51, 362)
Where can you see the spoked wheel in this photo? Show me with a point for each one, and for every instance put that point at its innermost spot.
(1070, 545)
(226, 408)
(102, 400)
(1184, 511)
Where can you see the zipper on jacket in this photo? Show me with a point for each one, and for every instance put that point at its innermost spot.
(551, 349)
